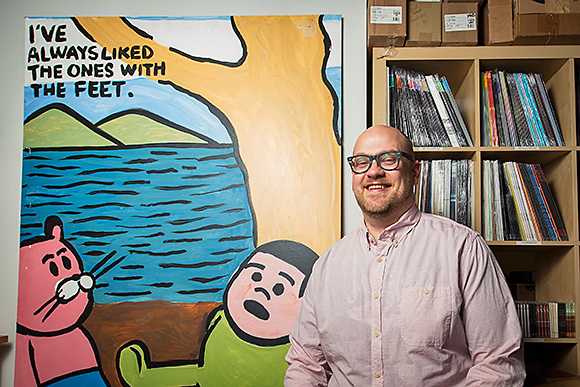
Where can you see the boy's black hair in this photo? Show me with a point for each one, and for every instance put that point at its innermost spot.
(294, 253)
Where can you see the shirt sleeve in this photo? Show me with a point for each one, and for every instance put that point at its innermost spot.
(492, 327)
(307, 364)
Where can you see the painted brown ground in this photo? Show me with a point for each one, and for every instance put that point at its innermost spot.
(171, 331)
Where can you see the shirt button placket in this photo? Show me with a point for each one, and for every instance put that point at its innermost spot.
(376, 346)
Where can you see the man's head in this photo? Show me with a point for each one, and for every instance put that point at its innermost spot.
(384, 195)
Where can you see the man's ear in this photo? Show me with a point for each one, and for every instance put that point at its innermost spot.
(416, 172)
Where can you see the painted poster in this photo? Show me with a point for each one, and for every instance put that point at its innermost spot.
(180, 177)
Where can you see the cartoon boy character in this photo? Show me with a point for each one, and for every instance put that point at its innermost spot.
(247, 337)
(54, 298)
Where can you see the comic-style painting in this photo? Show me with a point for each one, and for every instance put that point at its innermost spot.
(180, 178)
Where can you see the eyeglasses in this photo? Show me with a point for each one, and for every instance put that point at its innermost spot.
(386, 160)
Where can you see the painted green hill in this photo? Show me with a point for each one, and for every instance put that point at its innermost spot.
(55, 128)
(134, 129)
(60, 126)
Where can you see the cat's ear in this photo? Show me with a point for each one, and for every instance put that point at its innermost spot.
(53, 227)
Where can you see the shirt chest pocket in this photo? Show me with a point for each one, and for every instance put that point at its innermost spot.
(425, 315)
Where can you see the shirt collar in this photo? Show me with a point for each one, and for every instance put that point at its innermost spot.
(395, 232)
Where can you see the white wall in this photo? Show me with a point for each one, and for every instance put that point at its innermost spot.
(11, 98)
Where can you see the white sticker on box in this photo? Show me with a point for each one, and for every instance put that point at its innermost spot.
(386, 15)
(460, 22)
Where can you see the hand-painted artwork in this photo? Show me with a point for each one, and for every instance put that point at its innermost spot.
(180, 178)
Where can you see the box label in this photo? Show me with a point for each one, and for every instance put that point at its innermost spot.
(461, 22)
(386, 15)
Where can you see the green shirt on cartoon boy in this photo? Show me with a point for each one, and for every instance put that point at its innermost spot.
(247, 338)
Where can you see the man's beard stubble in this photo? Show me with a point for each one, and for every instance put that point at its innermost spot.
(389, 204)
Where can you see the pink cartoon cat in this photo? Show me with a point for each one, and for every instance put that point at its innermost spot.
(54, 298)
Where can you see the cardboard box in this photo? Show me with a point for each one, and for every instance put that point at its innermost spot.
(423, 24)
(525, 7)
(459, 22)
(495, 24)
(387, 23)
(479, 2)
(562, 28)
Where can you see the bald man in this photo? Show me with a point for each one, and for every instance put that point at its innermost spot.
(407, 298)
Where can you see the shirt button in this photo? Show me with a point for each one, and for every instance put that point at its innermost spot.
(377, 333)
(425, 291)
(377, 374)
(395, 241)
(380, 259)
(376, 296)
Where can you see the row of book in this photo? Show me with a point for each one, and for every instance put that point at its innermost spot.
(518, 203)
(547, 319)
(423, 107)
(517, 111)
(446, 188)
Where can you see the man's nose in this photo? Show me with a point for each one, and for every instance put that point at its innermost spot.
(375, 169)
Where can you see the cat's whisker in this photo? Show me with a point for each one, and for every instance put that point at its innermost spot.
(53, 298)
(52, 309)
(112, 265)
(102, 262)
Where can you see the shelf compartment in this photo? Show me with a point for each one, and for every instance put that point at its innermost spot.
(557, 74)
(557, 165)
(541, 355)
(459, 74)
(553, 262)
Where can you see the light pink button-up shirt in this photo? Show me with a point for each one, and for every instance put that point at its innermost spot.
(426, 305)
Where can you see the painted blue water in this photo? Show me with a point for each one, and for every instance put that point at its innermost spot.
(334, 76)
(172, 223)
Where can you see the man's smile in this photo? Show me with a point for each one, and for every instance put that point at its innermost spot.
(377, 186)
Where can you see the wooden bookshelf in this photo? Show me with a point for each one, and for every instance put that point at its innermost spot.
(556, 264)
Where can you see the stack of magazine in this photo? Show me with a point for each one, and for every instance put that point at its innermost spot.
(423, 107)
(518, 203)
(516, 111)
(446, 188)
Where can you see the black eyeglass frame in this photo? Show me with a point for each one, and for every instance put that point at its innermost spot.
(376, 158)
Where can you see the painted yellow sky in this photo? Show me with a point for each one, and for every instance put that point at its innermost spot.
(281, 112)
